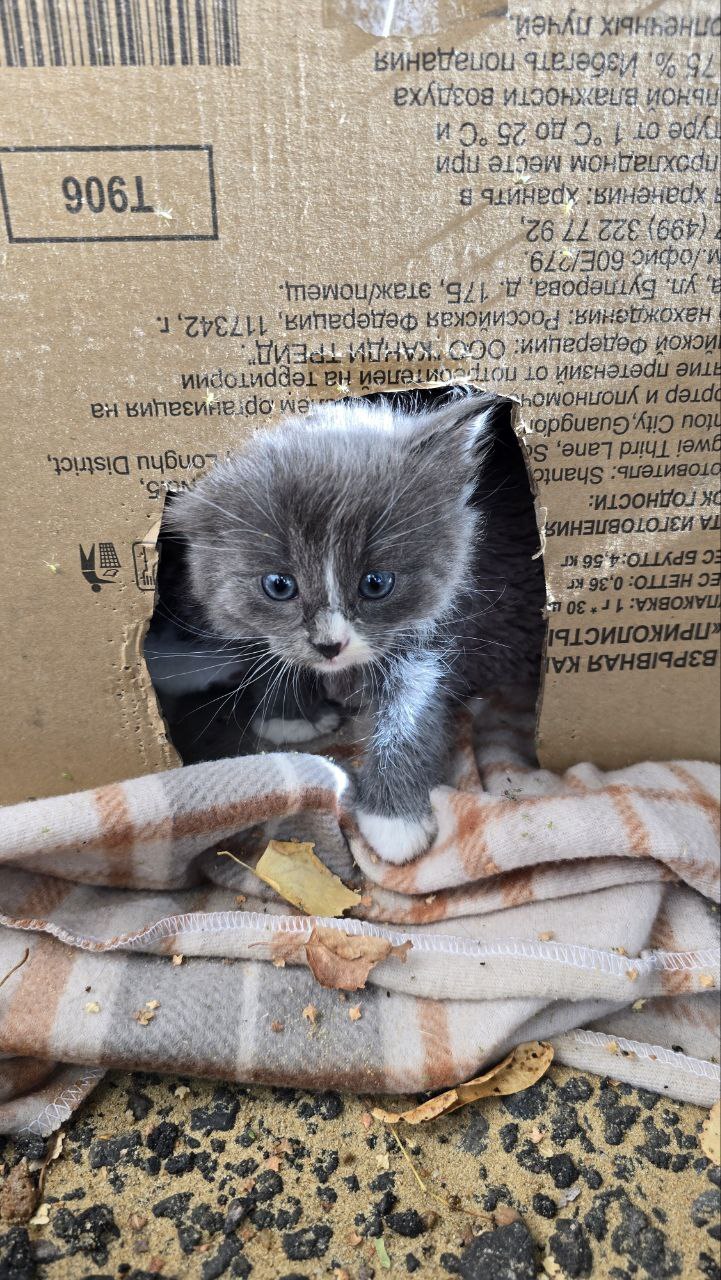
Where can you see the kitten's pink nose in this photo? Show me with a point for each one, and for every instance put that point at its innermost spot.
(331, 650)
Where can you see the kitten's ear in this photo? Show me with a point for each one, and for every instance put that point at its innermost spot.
(454, 434)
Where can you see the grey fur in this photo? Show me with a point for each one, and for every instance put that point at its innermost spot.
(356, 487)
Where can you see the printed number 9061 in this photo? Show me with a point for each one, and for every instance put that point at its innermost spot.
(96, 196)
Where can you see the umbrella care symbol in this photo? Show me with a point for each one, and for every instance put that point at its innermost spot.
(100, 573)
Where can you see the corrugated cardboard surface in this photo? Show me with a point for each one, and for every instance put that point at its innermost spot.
(530, 201)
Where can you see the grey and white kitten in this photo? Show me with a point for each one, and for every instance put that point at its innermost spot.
(373, 557)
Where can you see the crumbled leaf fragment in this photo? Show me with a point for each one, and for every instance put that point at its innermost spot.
(92, 1007)
(310, 1013)
(637, 1005)
(277, 1026)
(18, 1195)
(711, 1134)
(354, 1013)
(291, 868)
(382, 1253)
(41, 1218)
(526, 1064)
(176, 959)
(632, 974)
(504, 1215)
(545, 937)
(707, 981)
(343, 961)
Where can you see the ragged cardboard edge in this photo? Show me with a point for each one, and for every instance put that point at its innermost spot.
(135, 680)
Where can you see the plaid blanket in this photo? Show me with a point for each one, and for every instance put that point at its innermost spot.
(580, 908)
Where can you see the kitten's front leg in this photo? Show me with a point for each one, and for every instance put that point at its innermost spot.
(406, 753)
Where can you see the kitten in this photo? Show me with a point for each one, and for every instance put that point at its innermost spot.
(376, 555)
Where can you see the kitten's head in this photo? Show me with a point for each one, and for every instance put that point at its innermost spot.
(337, 536)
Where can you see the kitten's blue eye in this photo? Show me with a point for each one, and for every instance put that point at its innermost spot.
(376, 585)
(279, 586)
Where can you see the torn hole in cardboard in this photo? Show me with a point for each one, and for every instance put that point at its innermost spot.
(202, 688)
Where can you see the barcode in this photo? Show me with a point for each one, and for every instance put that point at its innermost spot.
(119, 33)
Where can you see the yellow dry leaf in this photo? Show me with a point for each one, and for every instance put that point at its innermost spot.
(92, 1007)
(152, 1004)
(612, 1047)
(711, 1134)
(545, 937)
(519, 1070)
(310, 1013)
(637, 1005)
(144, 1016)
(707, 981)
(343, 961)
(632, 974)
(292, 869)
(354, 1013)
(177, 959)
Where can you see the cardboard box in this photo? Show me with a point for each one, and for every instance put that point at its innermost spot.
(216, 214)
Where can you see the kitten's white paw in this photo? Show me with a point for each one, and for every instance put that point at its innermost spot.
(327, 722)
(288, 732)
(284, 732)
(397, 840)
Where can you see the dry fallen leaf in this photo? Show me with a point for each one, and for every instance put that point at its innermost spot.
(632, 974)
(638, 1005)
(545, 937)
(310, 1013)
(707, 981)
(92, 1007)
(144, 1016)
(519, 1070)
(152, 1004)
(711, 1134)
(620, 951)
(277, 1025)
(612, 1047)
(177, 959)
(292, 869)
(354, 1013)
(18, 1195)
(343, 961)
(240, 898)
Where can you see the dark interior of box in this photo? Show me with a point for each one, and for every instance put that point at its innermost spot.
(195, 676)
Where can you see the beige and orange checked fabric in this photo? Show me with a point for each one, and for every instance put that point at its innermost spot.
(579, 907)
